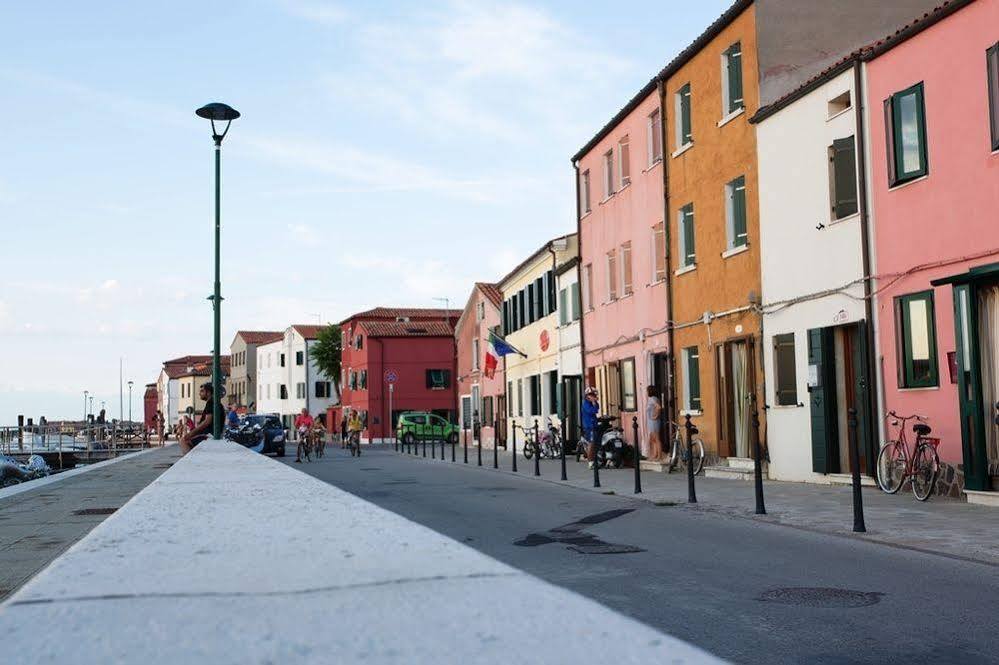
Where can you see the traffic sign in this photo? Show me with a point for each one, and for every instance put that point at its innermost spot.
(391, 376)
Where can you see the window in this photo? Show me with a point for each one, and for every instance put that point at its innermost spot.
(992, 67)
(534, 393)
(682, 103)
(509, 392)
(540, 297)
(626, 286)
(358, 342)
(563, 307)
(658, 252)
(584, 192)
(438, 379)
(531, 303)
(300, 356)
(838, 104)
(588, 286)
(732, 79)
(608, 173)
(786, 386)
(612, 275)
(842, 178)
(520, 397)
(552, 386)
(905, 131)
(362, 379)
(300, 390)
(629, 395)
(735, 213)
(916, 334)
(691, 379)
(323, 389)
(654, 135)
(480, 311)
(475, 354)
(624, 161)
(283, 391)
(577, 309)
(268, 391)
(522, 303)
(282, 360)
(487, 419)
(685, 235)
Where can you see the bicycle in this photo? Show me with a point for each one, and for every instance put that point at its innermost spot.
(679, 453)
(304, 446)
(319, 441)
(354, 443)
(550, 445)
(895, 464)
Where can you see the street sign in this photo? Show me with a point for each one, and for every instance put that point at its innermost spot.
(391, 376)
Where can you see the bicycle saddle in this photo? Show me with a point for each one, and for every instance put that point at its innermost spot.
(921, 429)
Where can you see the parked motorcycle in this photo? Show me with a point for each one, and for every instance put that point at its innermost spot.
(246, 434)
(612, 449)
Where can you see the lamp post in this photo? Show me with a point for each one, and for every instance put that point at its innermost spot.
(85, 394)
(129, 403)
(221, 113)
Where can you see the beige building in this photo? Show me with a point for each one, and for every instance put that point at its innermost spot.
(189, 382)
(241, 387)
(530, 322)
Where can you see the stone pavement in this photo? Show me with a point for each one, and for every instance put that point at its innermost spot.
(37, 525)
(940, 526)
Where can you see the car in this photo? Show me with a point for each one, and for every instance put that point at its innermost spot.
(272, 431)
(416, 426)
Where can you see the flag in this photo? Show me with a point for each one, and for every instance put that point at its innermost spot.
(499, 347)
(489, 367)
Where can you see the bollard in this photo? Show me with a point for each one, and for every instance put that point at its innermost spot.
(598, 434)
(433, 448)
(537, 450)
(858, 499)
(691, 431)
(466, 448)
(454, 445)
(495, 452)
(638, 457)
(761, 509)
(424, 446)
(515, 448)
(20, 433)
(562, 451)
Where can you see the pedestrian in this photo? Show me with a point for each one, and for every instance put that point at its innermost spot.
(343, 431)
(203, 429)
(232, 418)
(653, 419)
(159, 422)
(590, 409)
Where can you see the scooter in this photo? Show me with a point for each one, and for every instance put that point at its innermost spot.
(611, 450)
(247, 435)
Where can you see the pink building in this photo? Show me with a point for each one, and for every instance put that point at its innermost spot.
(933, 100)
(622, 243)
(482, 395)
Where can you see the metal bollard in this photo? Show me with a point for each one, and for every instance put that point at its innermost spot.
(562, 451)
(638, 457)
(691, 431)
(761, 509)
(433, 448)
(515, 448)
(858, 498)
(466, 446)
(443, 449)
(424, 446)
(537, 450)
(598, 434)
(495, 452)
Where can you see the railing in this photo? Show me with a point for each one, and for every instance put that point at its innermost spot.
(91, 439)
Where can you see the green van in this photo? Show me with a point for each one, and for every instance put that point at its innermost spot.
(419, 425)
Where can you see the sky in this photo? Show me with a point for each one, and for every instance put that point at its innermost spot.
(389, 153)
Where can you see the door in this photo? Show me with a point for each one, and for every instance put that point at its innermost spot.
(660, 377)
(736, 380)
(969, 384)
(822, 398)
(500, 416)
(572, 395)
(988, 348)
(861, 394)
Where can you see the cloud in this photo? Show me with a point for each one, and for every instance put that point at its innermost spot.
(324, 13)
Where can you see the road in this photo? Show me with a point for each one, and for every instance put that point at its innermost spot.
(743, 590)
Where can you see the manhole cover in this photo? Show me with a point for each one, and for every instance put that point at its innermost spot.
(94, 511)
(821, 597)
(400, 482)
(605, 548)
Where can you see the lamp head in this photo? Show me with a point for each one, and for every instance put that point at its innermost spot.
(217, 111)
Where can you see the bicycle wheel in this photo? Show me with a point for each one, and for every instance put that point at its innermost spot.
(528, 449)
(697, 450)
(891, 467)
(925, 469)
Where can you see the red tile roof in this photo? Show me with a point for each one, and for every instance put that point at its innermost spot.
(390, 313)
(260, 336)
(187, 360)
(407, 329)
(196, 368)
(308, 331)
(492, 292)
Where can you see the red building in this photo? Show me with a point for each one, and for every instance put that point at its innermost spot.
(480, 394)
(150, 402)
(411, 349)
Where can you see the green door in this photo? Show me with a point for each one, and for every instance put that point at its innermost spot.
(862, 397)
(969, 384)
(822, 399)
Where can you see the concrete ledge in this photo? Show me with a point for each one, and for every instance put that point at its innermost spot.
(231, 557)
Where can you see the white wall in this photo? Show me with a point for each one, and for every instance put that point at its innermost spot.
(570, 358)
(270, 373)
(798, 259)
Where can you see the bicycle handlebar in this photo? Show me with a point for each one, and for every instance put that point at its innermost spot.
(915, 416)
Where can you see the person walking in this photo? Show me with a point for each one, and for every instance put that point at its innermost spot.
(653, 422)
(343, 431)
(589, 412)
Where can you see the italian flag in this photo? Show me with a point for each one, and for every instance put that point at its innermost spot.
(497, 348)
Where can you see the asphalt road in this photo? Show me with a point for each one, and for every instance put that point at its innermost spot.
(740, 589)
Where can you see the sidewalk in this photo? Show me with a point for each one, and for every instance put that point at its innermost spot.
(37, 525)
(941, 526)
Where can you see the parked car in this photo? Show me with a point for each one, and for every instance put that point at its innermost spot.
(419, 425)
(271, 431)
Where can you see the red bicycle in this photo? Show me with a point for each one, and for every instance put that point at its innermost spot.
(896, 464)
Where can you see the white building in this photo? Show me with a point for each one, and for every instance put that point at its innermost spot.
(568, 339)
(815, 329)
(288, 379)
(168, 385)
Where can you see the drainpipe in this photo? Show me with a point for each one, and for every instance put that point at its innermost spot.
(873, 376)
(671, 408)
(579, 268)
(558, 333)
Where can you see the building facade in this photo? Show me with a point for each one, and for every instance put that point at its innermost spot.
(623, 260)
(150, 403)
(480, 387)
(189, 385)
(241, 388)
(569, 337)
(168, 385)
(530, 324)
(934, 126)
(288, 379)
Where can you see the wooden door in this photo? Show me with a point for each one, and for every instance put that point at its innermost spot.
(822, 398)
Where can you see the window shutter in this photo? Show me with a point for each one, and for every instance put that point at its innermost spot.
(735, 78)
(844, 178)
(992, 58)
(540, 289)
(685, 132)
(740, 236)
(552, 287)
(890, 141)
(624, 156)
(687, 230)
(577, 305)
(563, 308)
(786, 382)
(694, 379)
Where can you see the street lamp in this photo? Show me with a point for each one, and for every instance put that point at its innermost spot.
(85, 393)
(221, 113)
(129, 403)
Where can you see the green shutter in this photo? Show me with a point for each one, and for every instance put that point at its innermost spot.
(992, 68)
(785, 384)
(577, 305)
(734, 59)
(687, 222)
(738, 192)
(897, 100)
(685, 132)
(822, 399)
(563, 307)
(844, 169)
(694, 378)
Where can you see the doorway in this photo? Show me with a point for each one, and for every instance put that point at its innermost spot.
(838, 382)
(736, 380)
(572, 396)
(501, 419)
(660, 378)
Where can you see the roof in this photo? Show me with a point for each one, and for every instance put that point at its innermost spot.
(671, 67)
(187, 360)
(492, 292)
(306, 330)
(540, 250)
(407, 328)
(260, 336)
(864, 53)
(202, 368)
(391, 313)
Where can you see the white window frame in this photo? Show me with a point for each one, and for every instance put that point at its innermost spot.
(608, 173)
(584, 191)
(653, 132)
(587, 295)
(681, 237)
(686, 379)
(627, 282)
(475, 353)
(611, 270)
(678, 118)
(730, 245)
(624, 162)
